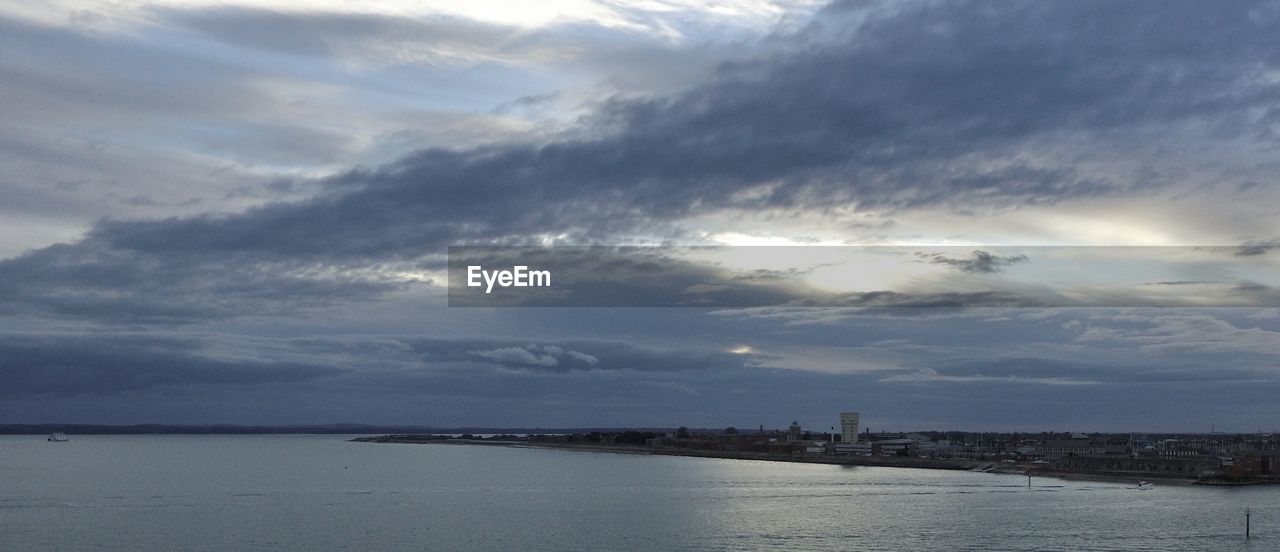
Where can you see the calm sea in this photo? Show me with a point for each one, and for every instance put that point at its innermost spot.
(142, 493)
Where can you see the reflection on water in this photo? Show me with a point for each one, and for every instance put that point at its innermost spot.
(323, 493)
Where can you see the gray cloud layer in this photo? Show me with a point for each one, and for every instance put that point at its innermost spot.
(917, 105)
(73, 365)
(964, 107)
(68, 365)
(930, 104)
(1092, 368)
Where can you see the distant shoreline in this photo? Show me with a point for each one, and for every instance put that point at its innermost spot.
(974, 466)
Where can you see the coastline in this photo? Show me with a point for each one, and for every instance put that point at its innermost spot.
(975, 466)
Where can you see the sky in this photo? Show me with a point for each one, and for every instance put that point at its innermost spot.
(240, 211)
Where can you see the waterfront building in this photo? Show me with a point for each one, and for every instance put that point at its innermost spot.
(852, 449)
(849, 427)
(895, 447)
(794, 433)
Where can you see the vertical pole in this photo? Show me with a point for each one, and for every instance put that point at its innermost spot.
(1028, 481)
(1247, 512)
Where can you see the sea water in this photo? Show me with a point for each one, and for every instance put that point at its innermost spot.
(322, 492)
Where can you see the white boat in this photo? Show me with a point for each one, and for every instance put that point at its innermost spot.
(58, 437)
(1145, 484)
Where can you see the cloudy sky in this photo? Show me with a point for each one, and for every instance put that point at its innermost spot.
(238, 212)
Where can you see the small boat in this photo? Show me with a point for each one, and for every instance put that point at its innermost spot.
(58, 437)
(1145, 485)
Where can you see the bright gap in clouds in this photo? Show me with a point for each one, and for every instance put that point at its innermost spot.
(672, 20)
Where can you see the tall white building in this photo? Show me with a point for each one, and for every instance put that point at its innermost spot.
(849, 427)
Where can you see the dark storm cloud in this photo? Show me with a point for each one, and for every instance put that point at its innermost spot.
(74, 365)
(919, 105)
(894, 106)
(981, 262)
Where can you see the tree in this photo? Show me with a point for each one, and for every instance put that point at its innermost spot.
(633, 437)
(682, 433)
